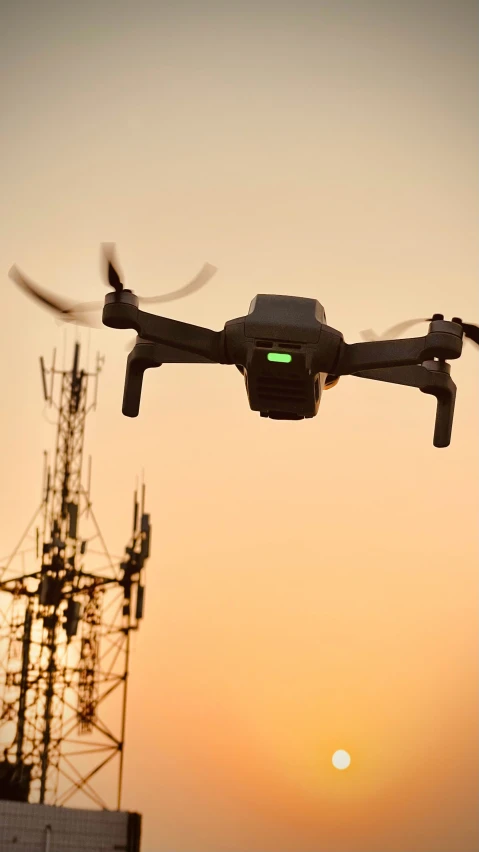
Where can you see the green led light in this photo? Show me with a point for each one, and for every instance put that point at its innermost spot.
(281, 357)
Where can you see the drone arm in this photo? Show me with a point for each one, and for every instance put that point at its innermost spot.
(194, 339)
(123, 312)
(433, 378)
(357, 357)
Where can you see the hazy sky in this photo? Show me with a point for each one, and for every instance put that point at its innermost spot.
(313, 585)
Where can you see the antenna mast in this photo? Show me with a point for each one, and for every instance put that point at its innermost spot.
(65, 627)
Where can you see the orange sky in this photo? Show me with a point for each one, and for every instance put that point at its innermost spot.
(312, 585)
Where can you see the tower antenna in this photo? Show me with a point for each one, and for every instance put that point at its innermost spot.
(66, 622)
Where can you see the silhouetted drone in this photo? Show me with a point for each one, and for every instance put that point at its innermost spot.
(283, 347)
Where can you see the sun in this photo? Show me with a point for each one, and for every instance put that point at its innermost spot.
(341, 759)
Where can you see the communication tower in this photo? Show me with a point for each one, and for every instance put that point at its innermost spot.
(67, 614)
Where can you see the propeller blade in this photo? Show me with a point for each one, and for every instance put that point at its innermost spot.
(112, 273)
(392, 332)
(369, 335)
(64, 309)
(204, 275)
(471, 332)
(55, 303)
(87, 306)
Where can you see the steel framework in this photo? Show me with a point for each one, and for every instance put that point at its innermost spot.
(66, 624)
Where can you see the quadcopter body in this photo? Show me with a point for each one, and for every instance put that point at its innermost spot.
(288, 355)
(284, 348)
(278, 340)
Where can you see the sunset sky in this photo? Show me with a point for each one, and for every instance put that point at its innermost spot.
(313, 586)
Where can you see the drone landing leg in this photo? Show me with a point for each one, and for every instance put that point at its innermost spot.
(142, 357)
(431, 377)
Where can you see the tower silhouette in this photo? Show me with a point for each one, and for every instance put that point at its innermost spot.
(66, 624)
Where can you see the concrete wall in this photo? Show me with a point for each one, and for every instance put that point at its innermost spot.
(42, 828)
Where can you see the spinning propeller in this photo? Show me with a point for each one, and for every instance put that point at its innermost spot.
(77, 312)
(471, 332)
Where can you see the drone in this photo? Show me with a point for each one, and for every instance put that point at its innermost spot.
(284, 348)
